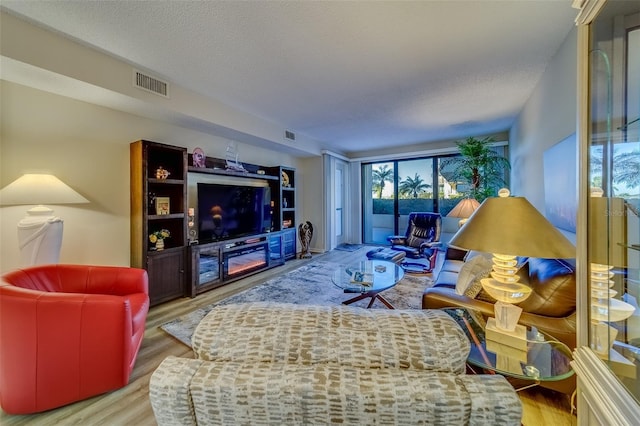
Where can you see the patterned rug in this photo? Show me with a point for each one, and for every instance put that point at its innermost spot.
(309, 284)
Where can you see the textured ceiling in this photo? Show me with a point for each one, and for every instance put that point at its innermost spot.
(352, 75)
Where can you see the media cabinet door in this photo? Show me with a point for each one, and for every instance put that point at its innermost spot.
(276, 249)
(206, 267)
(289, 237)
(166, 271)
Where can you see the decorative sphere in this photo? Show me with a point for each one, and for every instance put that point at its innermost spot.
(504, 193)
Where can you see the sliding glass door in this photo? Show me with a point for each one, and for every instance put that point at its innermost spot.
(378, 201)
(393, 189)
(415, 185)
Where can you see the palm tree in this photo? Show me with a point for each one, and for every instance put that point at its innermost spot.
(380, 176)
(412, 186)
(479, 165)
(595, 166)
(626, 168)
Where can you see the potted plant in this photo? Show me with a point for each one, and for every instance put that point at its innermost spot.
(479, 166)
(158, 237)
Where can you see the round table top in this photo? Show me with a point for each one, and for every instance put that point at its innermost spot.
(540, 357)
(377, 275)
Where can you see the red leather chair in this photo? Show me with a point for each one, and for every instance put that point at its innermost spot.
(68, 332)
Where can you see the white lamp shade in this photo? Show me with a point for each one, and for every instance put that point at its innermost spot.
(464, 208)
(39, 233)
(36, 189)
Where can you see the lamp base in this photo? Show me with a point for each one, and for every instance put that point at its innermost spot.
(507, 315)
(40, 237)
(516, 338)
(503, 350)
(603, 336)
(508, 364)
(620, 365)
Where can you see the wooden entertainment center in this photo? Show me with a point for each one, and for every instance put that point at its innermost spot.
(184, 267)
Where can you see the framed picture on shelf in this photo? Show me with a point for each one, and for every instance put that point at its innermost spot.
(198, 158)
(162, 205)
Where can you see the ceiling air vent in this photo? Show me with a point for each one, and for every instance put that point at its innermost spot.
(150, 84)
(290, 135)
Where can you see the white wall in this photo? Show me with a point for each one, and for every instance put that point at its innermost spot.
(309, 193)
(46, 60)
(87, 147)
(548, 117)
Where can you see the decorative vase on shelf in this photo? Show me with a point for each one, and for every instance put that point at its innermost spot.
(161, 173)
(305, 232)
(160, 244)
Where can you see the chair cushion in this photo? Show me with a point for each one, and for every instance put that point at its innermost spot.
(386, 254)
(452, 266)
(417, 236)
(423, 228)
(408, 251)
(554, 288)
(468, 282)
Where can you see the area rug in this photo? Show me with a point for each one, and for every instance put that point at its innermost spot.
(349, 247)
(309, 284)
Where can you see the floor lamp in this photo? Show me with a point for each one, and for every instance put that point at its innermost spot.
(40, 232)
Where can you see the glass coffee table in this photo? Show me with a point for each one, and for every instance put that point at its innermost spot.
(367, 279)
(540, 358)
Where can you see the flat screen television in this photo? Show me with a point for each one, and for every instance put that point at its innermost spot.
(229, 211)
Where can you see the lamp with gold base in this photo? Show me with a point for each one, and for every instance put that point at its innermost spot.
(607, 229)
(508, 227)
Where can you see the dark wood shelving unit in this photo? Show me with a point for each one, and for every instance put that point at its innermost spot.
(180, 268)
(166, 268)
(284, 214)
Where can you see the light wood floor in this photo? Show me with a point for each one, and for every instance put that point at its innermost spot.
(130, 405)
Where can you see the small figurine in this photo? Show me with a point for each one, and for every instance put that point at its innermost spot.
(198, 157)
(162, 173)
(305, 232)
(285, 180)
(232, 159)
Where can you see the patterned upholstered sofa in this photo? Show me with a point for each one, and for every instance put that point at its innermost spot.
(269, 363)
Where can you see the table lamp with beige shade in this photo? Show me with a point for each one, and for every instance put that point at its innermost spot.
(509, 227)
(464, 209)
(40, 232)
(607, 249)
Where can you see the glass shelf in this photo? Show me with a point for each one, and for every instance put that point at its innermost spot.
(613, 220)
(630, 123)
